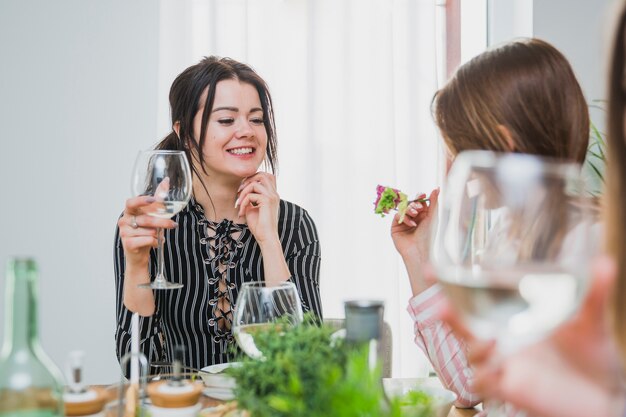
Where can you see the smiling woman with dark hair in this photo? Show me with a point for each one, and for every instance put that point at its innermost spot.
(235, 229)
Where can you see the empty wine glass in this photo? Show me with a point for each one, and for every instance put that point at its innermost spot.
(259, 307)
(513, 246)
(166, 176)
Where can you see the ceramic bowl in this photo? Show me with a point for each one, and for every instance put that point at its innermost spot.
(191, 411)
(442, 398)
(164, 395)
(84, 404)
(214, 376)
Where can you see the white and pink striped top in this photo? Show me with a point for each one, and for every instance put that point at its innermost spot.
(446, 352)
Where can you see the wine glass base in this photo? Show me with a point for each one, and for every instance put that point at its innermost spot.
(162, 285)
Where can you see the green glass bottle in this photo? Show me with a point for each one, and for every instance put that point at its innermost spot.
(30, 383)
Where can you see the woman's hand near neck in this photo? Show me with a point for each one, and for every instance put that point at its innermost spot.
(263, 212)
(259, 203)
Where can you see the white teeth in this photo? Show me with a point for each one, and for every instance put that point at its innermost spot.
(241, 151)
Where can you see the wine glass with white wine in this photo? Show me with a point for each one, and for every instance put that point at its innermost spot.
(259, 307)
(166, 176)
(513, 245)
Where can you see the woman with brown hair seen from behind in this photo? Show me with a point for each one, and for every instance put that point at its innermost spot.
(520, 97)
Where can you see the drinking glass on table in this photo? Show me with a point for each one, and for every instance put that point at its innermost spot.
(259, 307)
(166, 176)
(513, 246)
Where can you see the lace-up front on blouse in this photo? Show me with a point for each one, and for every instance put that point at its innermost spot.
(223, 243)
(213, 260)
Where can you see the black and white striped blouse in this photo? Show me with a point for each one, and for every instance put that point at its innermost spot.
(200, 254)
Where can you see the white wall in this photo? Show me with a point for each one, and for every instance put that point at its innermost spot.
(509, 19)
(582, 30)
(78, 98)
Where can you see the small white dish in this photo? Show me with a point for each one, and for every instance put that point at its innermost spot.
(442, 398)
(222, 394)
(214, 376)
(175, 412)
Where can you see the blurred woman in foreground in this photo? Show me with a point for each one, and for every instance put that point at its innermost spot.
(573, 372)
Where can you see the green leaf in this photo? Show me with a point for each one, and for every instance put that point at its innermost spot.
(402, 206)
(597, 135)
(307, 373)
(597, 171)
(596, 154)
(387, 201)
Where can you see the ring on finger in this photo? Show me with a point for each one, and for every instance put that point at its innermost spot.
(133, 222)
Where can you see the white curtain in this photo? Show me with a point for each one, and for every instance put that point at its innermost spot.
(352, 82)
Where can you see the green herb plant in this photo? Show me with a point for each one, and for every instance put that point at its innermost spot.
(595, 160)
(305, 372)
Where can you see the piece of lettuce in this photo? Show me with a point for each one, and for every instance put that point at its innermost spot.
(388, 199)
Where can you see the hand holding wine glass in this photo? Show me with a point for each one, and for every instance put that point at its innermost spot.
(260, 307)
(579, 358)
(513, 248)
(162, 181)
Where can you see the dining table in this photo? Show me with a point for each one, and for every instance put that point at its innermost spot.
(212, 407)
(462, 412)
(454, 411)
(210, 402)
(387, 383)
(400, 386)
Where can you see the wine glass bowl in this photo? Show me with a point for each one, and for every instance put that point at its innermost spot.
(165, 176)
(513, 246)
(260, 307)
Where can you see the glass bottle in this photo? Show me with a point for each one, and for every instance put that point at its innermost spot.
(30, 383)
(364, 327)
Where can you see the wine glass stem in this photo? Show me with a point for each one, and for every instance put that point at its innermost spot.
(498, 409)
(160, 259)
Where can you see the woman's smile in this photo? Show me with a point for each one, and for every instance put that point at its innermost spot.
(244, 152)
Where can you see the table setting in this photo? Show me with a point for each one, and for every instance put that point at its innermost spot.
(297, 367)
(508, 254)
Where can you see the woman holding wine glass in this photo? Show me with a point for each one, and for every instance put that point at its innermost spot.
(235, 228)
(520, 97)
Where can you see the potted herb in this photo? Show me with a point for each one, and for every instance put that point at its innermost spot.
(596, 157)
(306, 372)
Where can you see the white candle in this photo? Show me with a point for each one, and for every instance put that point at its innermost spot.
(134, 349)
